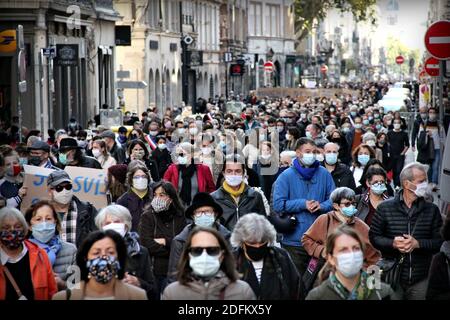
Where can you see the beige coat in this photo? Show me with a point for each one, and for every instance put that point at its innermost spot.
(199, 290)
(122, 291)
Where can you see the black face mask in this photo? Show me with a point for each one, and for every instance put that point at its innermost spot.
(35, 160)
(256, 254)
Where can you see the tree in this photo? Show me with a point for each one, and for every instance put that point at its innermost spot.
(307, 12)
(395, 48)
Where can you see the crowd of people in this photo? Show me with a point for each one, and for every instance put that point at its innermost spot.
(291, 198)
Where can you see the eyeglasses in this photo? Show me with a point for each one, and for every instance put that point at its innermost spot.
(205, 213)
(198, 251)
(60, 188)
(347, 204)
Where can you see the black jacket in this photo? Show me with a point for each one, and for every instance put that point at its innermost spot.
(86, 214)
(163, 160)
(439, 278)
(343, 177)
(167, 225)
(136, 206)
(250, 201)
(391, 220)
(279, 277)
(139, 265)
(85, 162)
(178, 245)
(118, 153)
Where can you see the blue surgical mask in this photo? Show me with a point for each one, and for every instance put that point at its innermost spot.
(308, 134)
(363, 159)
(378, 188)
(308, 159)
(205, 220)
(23, 161)
(331, 158)
(44, 231)
(62, 158)
(349, 211)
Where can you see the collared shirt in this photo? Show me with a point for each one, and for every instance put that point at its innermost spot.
(69, 224)
(408, 210)
(5, 258)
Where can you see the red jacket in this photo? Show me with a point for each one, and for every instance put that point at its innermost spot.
(44, 283)
(204, 177)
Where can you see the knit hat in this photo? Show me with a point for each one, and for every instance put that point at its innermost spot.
(203, 199)
(119, 171)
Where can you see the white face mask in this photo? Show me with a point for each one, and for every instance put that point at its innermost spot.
(140, 183)
(63, 197)
(233, 181)
(319, 157)
(96, 153)
(350, 264)
(204, 265)
(421, 189)
(193, 131)
(120, 228)
(206, 150)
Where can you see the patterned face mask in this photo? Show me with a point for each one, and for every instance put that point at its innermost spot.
(158, 204)
(12, 239)
(103, 269)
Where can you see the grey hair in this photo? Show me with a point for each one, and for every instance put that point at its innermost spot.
(114, 210)
(288, 153)
(342, 193)
(254, 228)
(332, 143)
(187, 147)
(368, 136)
(408, 171)
(13, 213)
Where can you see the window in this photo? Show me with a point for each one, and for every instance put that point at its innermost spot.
(255, 19)
(153, 12)
(273, 20)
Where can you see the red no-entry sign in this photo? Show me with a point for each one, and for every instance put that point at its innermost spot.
(437, 39)
(268, 66)
(432, 67)
(324, 68)
(399, 60)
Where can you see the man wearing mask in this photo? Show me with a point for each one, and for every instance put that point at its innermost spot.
(116, 151)
(11, 188)
(39, 155)
(406, 228)
(314, 132)
(204, 212)
(356, 133)
(399, 145)
(70, 154)
(77, 217)
(342, 176)
(304, 191)
(422, 117)
(250, 122)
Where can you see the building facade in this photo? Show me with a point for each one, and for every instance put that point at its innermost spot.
(73, 83)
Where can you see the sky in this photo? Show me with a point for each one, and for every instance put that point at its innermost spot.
(411, 23)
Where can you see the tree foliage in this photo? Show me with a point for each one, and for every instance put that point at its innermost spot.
(307, 12)
(395, 47)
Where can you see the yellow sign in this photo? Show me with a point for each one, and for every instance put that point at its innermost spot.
(8, 41)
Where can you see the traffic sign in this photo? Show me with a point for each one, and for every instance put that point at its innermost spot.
(131, 84)
(228, 57)
(49, 52)
(399, 60)
(432, 67)
(269, 66)
(437, 39)
(323, 68)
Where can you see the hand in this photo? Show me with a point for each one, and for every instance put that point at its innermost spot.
(161, 241)
(410, 243)
(310, 205)
(23, 192)
(316, 206)
(131, 280)
(399, 244)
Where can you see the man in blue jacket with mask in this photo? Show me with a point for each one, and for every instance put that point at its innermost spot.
(304, 190)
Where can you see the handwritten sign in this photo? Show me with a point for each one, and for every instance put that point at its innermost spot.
(88, 185)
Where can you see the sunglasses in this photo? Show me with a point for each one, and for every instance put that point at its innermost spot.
(198, 251)
(60, 188)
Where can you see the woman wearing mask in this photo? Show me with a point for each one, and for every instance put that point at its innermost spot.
(206, 258)
(11, 184)
(45, 227)
(138, 194)
(344, 149)
(376, 193)
(210, 156)
(136, 134)
(25, 270)
(361, 156)
(347, 280)
(235, 196)
(161, 155)
(101, 259)
(384, 150)
(373, 163)
(269, 270)
(116, 180)
(100, 152)
(266, 168)
(292, 135)
(159, 224)
(203, 212)
(137, 150)
(138, 267)
(398, 145)
(187, 177)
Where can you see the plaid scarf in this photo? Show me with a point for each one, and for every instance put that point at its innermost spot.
(359, 292)
(69, 224)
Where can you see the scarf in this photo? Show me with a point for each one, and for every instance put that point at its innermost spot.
(51, 248)
(140, 193)
(235, 194)
(306, 173)
(359, 292)
(186, 187)
(132, 243)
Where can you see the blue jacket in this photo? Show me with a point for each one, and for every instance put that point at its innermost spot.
(291, 193)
